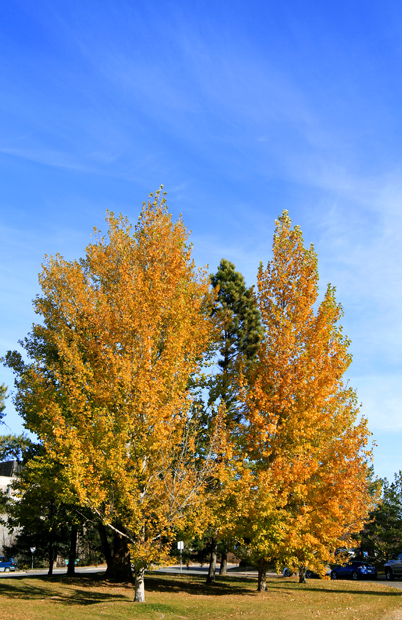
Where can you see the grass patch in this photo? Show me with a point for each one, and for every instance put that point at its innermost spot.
(188, 598)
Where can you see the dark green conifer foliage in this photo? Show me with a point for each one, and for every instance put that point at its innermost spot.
(240, 326)
(382, 535)
(239, 323)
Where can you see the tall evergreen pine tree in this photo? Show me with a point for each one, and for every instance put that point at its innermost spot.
(241, 331)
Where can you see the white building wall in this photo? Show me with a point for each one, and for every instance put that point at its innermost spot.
(6, 538)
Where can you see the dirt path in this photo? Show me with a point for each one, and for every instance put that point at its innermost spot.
(396, 614)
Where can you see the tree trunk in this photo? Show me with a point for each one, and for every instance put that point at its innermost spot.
(106, 549)
(51, 558)
(121, 565)
(118, 563)
(212, 564)
(72, 556)
(50, 517)
(224, 562)
(139, 596)
(302, 574)
(262, 576)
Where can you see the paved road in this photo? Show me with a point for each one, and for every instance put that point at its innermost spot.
(194, 570)
(40, 572)
(393, 584)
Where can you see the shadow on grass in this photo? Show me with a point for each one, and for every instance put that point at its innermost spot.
(196, 585)
(95, 589)
(45, 590)
(89, 590)
(335, 589)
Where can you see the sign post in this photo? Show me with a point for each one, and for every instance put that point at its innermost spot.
(180, 546)
(33, 549)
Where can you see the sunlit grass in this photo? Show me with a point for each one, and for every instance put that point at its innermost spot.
(187, 597)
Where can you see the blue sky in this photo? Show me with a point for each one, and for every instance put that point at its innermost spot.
(241, 110)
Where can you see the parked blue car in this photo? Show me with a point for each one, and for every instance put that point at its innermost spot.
(354, 570)
(7, 565)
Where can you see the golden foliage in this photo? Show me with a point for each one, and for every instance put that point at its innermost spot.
(304, 441)
(123, 330)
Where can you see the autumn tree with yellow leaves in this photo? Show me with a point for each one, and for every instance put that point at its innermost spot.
(107, 386)
(306, 455)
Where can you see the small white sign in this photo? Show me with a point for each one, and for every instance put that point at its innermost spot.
(180, 544)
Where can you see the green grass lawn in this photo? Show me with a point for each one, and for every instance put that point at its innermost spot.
(187, 597)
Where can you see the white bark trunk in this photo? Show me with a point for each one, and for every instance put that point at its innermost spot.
(212, 564)
(139, 596)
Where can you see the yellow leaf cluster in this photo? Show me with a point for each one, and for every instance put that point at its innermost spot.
(304, 441)
(122, 331)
